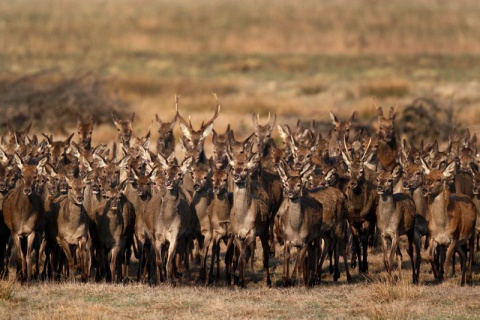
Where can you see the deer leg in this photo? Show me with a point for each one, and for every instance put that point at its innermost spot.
(286, 262)
(414, 256)
(432, 259)
(159, 260)
(141, 259)
(172, 251)
(301, 262)
(68, 253)
(21, 262)
(114, 255)
(229, 255)
(471, 258)
(449, 254)
(266, 256)
(324, 249)
(336, 260)
(463, 260)
(203, 256)
(215, 243)
(271, 237)
(245, 244)
(82, 247)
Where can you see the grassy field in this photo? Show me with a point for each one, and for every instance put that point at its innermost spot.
(369, 297)
(292, 58)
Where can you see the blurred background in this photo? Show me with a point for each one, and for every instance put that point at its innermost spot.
(297, 59)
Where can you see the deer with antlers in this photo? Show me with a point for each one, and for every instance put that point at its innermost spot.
(361, 204)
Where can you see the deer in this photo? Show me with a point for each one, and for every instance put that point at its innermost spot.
(220, 142)
(172, 218)
(143, 235)
(124, 129)
(23, 211)
(387, 152)
(68, 225)
(115, 226)
(465, 163)
(361, 205)
(396, 217)
(201, 200)
(84, 131)
(413, 180)
(193, 140)
(451, 225)
(476, 201)
(301, 221)
(267, 175)
(166, 140)
(342, 130)
(250, 216)
(57, 151)
(219, 211)
(334, 227)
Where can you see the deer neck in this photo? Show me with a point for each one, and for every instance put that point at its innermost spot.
(420, 201)
(386, 207)
(221, 206)
(438, 208)
(242, 198)
(294, 215)
(170, 202)
(387, 153)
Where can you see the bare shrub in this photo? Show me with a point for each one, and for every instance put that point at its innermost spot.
(52, 100)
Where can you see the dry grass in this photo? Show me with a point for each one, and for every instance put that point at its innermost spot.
(371, 297)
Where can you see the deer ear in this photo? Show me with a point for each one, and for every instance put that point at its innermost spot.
(115, 120)
(207, 131)
(101, 162)
(334, 118)
(426, 169)
(124, 162)
(282, 173)
(379, 113)
(397, 171)
(283, 132)
(42, 163)
(18, 160)
(449, 170)
(163, 162)
(393, 112)
(186, 163)
(345, 158)
(253, 161)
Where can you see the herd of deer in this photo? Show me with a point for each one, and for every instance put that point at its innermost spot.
(69, 207)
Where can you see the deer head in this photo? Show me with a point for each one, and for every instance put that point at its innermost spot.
(166, 141)
(219, 179)
(29, 173)
(124, 128)
(84, 130)
(386, 180)
(172, 172)
(220, 143)
(435, 179)
(294, 181)
(196, 137)
(356, 166)
(386, 126)
(201, 176)
(263, 132)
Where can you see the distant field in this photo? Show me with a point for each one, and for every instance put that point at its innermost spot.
(296, 59)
